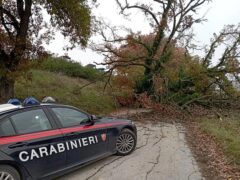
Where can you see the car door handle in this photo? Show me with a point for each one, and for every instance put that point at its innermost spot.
(72, 134)
(19, 144)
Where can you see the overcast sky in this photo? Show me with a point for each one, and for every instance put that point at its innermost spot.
(219, 13)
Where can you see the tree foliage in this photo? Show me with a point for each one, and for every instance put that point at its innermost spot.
(170, 20)
(172, 73)
(23, 29)
(185, 78)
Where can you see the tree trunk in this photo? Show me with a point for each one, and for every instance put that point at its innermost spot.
(6, 89)
(146, 84)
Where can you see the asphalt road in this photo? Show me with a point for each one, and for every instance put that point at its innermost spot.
(161, 154)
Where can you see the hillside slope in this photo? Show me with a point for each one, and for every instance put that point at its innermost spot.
(66, 90)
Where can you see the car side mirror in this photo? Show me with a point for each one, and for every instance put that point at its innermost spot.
(93, 118)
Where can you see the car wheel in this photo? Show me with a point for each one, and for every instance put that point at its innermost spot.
(126, 142)
(8, 173)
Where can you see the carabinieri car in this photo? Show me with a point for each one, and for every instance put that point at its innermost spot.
(47, 140)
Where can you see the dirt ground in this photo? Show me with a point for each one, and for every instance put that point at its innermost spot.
(161, 154)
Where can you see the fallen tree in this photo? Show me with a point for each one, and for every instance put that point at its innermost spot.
(161, 64)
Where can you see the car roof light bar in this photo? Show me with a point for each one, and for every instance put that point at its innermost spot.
(30, 101)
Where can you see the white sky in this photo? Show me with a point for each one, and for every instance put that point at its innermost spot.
(219, 13)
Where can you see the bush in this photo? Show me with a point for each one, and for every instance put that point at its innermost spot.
(70, 68)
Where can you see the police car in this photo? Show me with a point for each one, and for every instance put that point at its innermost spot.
(42, 141)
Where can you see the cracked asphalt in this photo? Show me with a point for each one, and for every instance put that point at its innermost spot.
(161, 154)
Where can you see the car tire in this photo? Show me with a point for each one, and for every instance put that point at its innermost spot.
(126, 142)
(6, 170)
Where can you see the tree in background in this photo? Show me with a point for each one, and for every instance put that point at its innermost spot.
(171, 22)
(23, 30)
(185, 78)
(168, 71)
(131, 78)
(227, 67)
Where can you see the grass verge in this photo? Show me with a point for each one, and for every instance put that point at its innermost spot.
(227, 133)
(66, 90)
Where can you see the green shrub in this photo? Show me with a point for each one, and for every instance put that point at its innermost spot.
(70, 68)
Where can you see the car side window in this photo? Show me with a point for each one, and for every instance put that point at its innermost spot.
(70, 117)
(6, 128)
(31, 121)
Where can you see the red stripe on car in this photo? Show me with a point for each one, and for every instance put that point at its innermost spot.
(32, 136)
